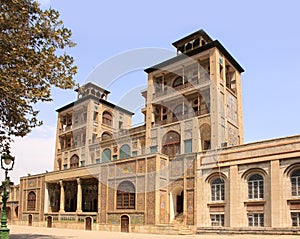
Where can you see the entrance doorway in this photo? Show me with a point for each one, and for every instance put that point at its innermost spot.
(179, 203)
(124, 223)
(30, 220)
(88, 223)
(176, 204)
(49, 221)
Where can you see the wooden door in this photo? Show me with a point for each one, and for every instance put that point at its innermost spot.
(49, 221)
(88, 223)
(30, 220)
(124, 223)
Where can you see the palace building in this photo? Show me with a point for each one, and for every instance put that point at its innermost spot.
(185, 170)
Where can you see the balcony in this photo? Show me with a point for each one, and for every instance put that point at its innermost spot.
(182, 117)
(192, 84)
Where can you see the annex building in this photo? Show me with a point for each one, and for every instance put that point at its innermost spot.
(185, 170)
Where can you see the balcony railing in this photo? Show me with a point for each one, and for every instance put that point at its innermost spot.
(182, 117)
(191, 84)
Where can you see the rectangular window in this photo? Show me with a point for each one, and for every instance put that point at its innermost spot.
(153, 149)
(65, 166)
(97, 160)
(134, 153)
(188, 146)
(295, 219)
(217, 220)
(82, 163)
(256, 220)
(115, 157)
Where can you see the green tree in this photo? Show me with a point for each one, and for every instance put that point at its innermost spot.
(32, 60)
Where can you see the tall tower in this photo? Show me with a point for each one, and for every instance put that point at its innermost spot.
(83, 123)
(194, 99)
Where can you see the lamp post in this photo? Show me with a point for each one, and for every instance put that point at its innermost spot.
(7, 163)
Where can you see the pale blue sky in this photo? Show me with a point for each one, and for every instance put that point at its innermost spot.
(263, 36)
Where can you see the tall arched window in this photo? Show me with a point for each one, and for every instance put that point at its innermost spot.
(106, 155)
(217, 189)
(256, 187)
(295, 183)
(171, 143)
(31, 201)
(74, 161)
(126, 195)
(124, 151)
(107, 118)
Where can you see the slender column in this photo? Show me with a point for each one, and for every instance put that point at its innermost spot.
(62, 196)
(79, 196)
(275, 186)
(46, 205)
(198, 104)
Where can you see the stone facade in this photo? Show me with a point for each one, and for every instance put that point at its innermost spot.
(186, 170)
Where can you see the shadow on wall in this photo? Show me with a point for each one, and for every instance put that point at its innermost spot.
(36, 236)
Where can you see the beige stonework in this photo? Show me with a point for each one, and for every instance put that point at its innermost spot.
(185, 170)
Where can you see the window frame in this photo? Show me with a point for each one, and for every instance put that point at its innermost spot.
(217, 188)
(31, 201)
(255, 184)
(126, 196)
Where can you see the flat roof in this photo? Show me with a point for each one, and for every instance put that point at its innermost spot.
(207, 46)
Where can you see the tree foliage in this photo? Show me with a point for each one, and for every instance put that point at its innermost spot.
(32, 60)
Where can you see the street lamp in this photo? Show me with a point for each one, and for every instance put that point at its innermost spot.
(7, 163)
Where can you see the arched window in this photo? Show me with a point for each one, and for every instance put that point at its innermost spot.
(179, 81)
(126, 195)
(107, 118)
(106, 155)
(124, 151)
(217, 190)
(31, 201)
(171, 143)
(106, 136)
(256, 187)
(295, 183)
(205, 132)
(74, 161)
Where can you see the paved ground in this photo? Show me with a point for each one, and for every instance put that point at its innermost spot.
(24, 232)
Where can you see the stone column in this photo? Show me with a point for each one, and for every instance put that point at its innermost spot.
(79, 196)
(62, 196)
(234, 187)
(275, 201)
(46, 202)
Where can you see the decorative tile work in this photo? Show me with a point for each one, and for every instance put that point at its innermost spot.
(190, 183)
(163, 207)
(231, 108)
(232, 135)
(141, 201)
(111, 199)
(141, 166)
(140, 184)
(188, 125)
(151, 167)
(31, 183)
(177, 167)
(190, 207)
(115, 218)
(151, 207)
(112, 171)
(190, 166)
(103, 204)
(125, 168)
